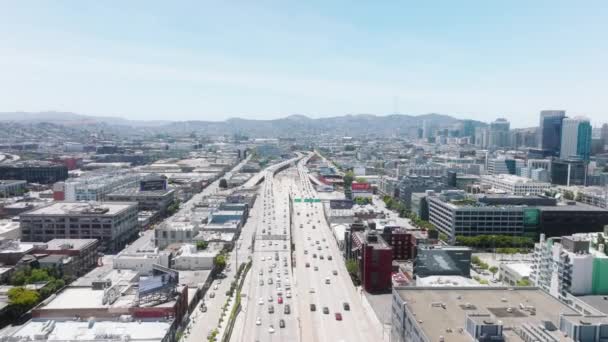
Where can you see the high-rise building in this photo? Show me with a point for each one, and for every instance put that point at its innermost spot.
(604, 134)
(499, 133)
(482, 137)
(468, 129)
(576, 138)
(551, 130)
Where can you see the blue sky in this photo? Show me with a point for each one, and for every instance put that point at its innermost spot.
(205, 60)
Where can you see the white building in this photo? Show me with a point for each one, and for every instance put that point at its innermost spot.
(571, 265)
(189, 258)
(515, 185)
(96, 186)
(140, 261)
(514, 273)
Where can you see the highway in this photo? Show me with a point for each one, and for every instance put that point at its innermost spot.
(268, 287)
(202, 323)
(325, 283)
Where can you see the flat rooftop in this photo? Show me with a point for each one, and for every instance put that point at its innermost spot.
(77, 244)
(458, 302)
(70, 330)
(137, 192)
(82, 208)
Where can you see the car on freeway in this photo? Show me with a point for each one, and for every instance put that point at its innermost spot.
(312, 290)
(338, 316)
(327, 281)
(280, 300)
(329, 257)
(316, 268)
(261, 282)
(261, 301)
(269, 281)
(305, 251)
(258, 321)
(314, 255)
(288, 294)
(216, 286)
(335, 272)
(313, 307)
(346, 306)
(212, 295)
(271, 329)
(270, 309)
(326, 310)
(287, 309)
(318, 248)
(321, 257)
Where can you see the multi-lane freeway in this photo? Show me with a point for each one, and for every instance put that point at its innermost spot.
(299, 289)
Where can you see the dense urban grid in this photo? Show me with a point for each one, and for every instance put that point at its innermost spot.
(355, 228)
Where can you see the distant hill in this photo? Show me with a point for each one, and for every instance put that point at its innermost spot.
(293, 125)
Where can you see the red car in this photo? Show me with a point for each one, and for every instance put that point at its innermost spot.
(280, 300)
(338, 316)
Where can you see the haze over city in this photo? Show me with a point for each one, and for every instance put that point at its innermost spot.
(312, 171)
(202, 60)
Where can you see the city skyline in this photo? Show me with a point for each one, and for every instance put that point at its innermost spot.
(271, 60)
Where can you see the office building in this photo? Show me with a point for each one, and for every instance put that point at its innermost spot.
(151, 200)
(575, 265)
(400, 240)
(412, 184)
(375, 259)
(471, 314)
(456, 213)
(576, 139)
(515, 185)
(551, 130)
(468, 130)
(433, 260)
(499, 133)
(34, 171)
(83, 253)
(96, 186)
(112, 223)
(12, 187)
(569, 172)
(497, 166)
(540, 175)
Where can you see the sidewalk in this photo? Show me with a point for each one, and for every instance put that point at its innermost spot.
(371, 314)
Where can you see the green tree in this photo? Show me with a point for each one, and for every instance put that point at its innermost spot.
(493, 269)
(23, 298)
(523, 282)
(38, 275)
(348, 179)
(201, 245)
(569, 195)
(220, 261)
(360, 180)
(352, 267)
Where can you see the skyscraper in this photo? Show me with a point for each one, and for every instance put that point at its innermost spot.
(468, 129)
(576, 138)
(551, 130)
(499, 133)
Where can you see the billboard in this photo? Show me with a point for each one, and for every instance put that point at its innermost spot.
(363, 187)
(341, 204)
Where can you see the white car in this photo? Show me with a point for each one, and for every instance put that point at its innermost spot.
(271, 329)
(258, 321)
(288, 294)
(216, 287)
(261, 301)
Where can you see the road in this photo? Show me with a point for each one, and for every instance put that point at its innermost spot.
(315, 238)
(204, 322)
(270, 279)
(324, 283)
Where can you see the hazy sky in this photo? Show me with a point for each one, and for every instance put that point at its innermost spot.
(267, 59)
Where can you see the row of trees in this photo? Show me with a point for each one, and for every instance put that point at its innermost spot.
(495, 241)
(22, 299)
(353, 271)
